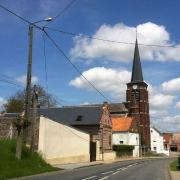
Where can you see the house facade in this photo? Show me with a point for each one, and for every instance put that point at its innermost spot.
(125, 133)
(175, 142)
(167, 139)
(157, 141)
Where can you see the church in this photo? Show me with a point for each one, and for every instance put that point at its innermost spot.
(137, 102)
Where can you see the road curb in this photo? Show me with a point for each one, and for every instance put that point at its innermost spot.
(169, 173)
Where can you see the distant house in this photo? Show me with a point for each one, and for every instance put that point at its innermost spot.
(167, 139)
(157, 142)
(125, 132)
(175, 142)
(92, 119)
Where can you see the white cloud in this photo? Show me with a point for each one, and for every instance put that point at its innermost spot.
(106, 80)
(168, 123)
(161, 101)
(22, 79)
(178, 105)
(2, 101)
(171, 86)
(148, 33)
(158, 113)
(114, 81)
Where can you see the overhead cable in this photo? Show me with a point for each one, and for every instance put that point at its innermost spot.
(108, 40)
(74, 66)
(62, 11)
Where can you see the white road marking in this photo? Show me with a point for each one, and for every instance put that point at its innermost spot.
(89, 178)
(124, 168)
(104, 178)
(116, 172)
(118, 169)
(107, 172)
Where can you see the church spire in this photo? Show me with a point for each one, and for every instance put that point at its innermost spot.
(137, 75)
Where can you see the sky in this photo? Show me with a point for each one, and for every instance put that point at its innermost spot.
(107, 65)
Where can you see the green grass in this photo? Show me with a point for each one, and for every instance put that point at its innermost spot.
(173, 166)
(152, 154)
(10, 167)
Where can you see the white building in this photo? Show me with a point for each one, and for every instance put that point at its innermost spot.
(61, 144)
(157, 144)
(123, 133)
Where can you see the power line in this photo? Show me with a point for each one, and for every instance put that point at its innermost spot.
(62, 11)
(108, 40)
(45, 65)
(45, 68)
(10, 82)
(20, 17)
(13, 13)
(74, 66)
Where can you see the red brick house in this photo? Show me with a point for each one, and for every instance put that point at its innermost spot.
(167, 139)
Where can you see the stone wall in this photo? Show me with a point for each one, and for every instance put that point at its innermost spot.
(7, 129)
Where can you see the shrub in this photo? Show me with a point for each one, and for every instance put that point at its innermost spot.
(120, 148)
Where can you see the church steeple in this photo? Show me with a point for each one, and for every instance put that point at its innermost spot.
(137, 75)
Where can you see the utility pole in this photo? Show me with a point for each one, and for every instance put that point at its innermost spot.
(34, 114)
(29, 75)
(28, 82)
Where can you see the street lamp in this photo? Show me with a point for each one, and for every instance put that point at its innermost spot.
(29, 72)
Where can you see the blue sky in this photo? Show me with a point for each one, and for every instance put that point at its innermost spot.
(107, 65)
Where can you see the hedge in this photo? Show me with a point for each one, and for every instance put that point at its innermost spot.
(120, 148)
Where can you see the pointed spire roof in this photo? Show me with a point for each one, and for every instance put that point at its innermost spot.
(137, 75)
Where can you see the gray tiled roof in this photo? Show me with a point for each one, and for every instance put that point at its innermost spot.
(118, 108)
(73, 115)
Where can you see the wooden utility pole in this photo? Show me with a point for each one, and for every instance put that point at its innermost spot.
(28, 83)
(34, 114)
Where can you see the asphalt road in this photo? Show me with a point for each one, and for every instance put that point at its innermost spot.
(152, 169)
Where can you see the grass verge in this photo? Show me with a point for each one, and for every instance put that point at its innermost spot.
(173, 166)
(30, 164)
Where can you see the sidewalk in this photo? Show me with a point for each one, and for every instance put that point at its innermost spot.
(94, 163)
(78, 165)
(175, 175)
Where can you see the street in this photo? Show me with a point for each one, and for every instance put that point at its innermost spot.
(151, 169)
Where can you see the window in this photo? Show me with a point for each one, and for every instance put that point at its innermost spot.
(79, 118)
(135, 95)
(121, 142)
(154, 148)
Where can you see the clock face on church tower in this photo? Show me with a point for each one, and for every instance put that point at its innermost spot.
(135, 86)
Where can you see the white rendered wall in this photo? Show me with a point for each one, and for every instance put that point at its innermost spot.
(59, 143)
(128, 139)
